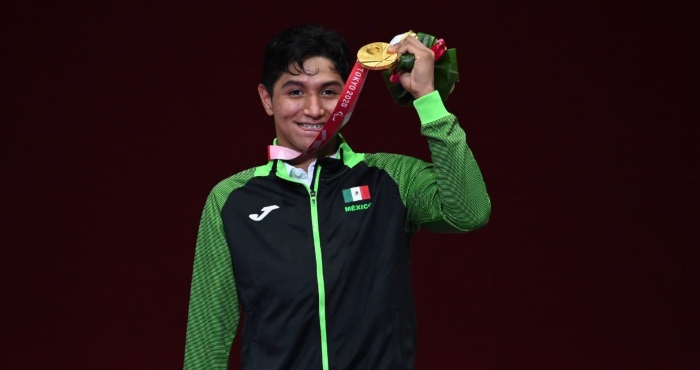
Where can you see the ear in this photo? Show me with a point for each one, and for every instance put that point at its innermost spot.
(265, 99)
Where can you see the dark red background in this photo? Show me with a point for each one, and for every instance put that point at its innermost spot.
(123, 116)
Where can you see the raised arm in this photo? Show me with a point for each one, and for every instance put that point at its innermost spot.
(450, 194)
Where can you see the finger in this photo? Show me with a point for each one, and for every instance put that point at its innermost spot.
(413, 46)
(399, 40)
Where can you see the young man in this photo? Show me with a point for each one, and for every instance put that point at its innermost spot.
(316, 249)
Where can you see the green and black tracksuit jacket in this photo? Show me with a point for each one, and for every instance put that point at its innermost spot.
(322, 273)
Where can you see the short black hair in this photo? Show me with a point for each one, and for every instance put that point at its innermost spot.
(296, 44)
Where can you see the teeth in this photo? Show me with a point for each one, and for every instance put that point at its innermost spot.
(308, 125)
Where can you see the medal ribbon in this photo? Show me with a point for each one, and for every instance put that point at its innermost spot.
(341, 115)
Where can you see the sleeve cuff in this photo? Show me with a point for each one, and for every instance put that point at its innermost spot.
(430, 107)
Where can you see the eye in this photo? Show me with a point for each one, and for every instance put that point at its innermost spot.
(329, 92)
(294, 92)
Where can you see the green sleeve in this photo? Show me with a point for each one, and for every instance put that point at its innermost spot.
(213, 308)
(449, 195)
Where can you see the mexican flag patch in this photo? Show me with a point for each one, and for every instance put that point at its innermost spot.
(356, 194)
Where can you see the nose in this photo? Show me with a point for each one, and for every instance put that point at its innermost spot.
(314, 107)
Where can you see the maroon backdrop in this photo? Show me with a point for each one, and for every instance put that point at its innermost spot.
(121, 117)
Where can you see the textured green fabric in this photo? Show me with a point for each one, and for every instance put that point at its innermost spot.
(447, 195)
(430, 108)
(213, 311)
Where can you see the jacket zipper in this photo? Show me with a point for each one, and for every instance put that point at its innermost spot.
(319, 267)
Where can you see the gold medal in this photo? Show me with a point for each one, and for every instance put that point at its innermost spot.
(375, 57)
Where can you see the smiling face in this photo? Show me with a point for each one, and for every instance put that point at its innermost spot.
(301, 103)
